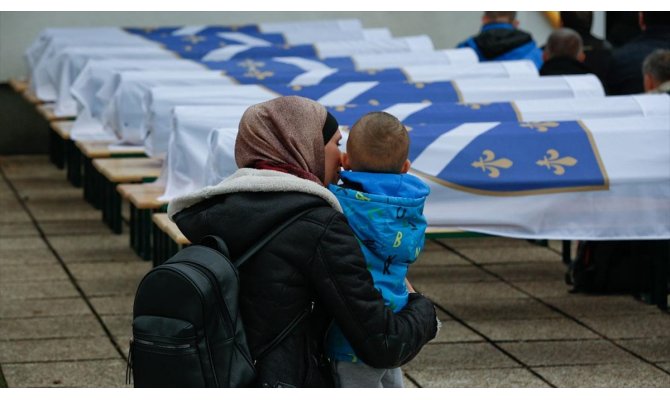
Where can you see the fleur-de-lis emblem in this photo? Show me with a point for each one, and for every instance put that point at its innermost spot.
(540, 126)
(374, 102)
(250, 64)
(194, 39)
(371, 71)
(474, 106)
(343, 107)
(420, 85)
(296, 88)
(253, 70)
(426, 101)
(491, 164)
(558, 164)
(188, 48)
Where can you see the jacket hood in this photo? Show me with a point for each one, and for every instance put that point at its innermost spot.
(391, 185)
(254, 180)
(498, 39)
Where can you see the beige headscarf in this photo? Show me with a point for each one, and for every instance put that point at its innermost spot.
(286, 131)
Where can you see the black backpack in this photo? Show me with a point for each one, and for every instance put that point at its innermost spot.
(187, 331)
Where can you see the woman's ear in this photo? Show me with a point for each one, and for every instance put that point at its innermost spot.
(344, 159)
(405, 166)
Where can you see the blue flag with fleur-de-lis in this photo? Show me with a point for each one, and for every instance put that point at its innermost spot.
(428, 113)
(509, 158)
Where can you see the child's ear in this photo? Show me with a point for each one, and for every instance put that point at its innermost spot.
(405, 166)
(344, 159)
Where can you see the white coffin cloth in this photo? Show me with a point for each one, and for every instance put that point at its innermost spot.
(493, 69)
(161, 100)
(308, 26)
(544, 87)
(188, 146)
(70, 62)
(124, 115)
(321, 35)
(40, 82)
(101, 73)
(220, 161)
(398, 60)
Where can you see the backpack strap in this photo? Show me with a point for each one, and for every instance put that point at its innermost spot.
(259, 245)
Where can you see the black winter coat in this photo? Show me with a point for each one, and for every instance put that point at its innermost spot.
(316, 258)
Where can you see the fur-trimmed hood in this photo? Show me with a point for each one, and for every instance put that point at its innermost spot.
(254, 180)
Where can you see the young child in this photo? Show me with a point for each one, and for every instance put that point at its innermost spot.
(384, 206)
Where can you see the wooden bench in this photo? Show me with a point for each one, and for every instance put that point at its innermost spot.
(59, 142)
(18, 85)
(167, 238)
(80, 168)
(114, 171)
(31, 97)
(143, 202)
(47, 111)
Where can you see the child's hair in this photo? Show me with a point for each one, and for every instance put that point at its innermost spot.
(378, 142)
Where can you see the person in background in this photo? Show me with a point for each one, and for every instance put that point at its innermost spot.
(597, 52)
(563, 54)
(500, 40)
(623, 75)
(656, 72)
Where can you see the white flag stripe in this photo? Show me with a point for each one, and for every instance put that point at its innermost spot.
(244, 38)
(440, 153)
(345, 93)
(404, 110)
(225, 53)
(314, 77)
(302, 63)
(189, 30)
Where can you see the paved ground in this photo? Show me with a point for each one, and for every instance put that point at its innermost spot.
(67, 285)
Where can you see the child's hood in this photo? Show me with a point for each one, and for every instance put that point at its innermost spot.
(391, 185)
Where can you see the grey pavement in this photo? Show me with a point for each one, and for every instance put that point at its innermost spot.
(67, 285)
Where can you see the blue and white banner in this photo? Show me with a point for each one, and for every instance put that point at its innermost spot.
(602, 179)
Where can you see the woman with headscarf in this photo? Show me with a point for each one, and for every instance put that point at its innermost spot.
(287, 150)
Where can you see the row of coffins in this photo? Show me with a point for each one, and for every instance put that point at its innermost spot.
(501, 147)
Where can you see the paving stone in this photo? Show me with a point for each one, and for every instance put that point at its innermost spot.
(107, 373)
(497, 309)
(24, 257)
(532, 329)
(15, 217)
(665, 366)
(529, 271)
(12, 229)
(439, 257)
(21, 166)
(453, 331)
(78, 326)
(113, 305)
(54, 209)
(105, 270)
(121, 327)
(499, 255)
(652, 349)
(455, 356)
(94, 248)
(539, 354)
(638, 374)
(74, 227)
(22, 243)
(446, 293)
(25, 308)
(483, 242)
(483, 378)
(586, 305)
(37, 290)
(72, 349)
(545, 289)
(31, 272)
(113, 286)
(456, 274)
(632, 326)
(45, 188)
